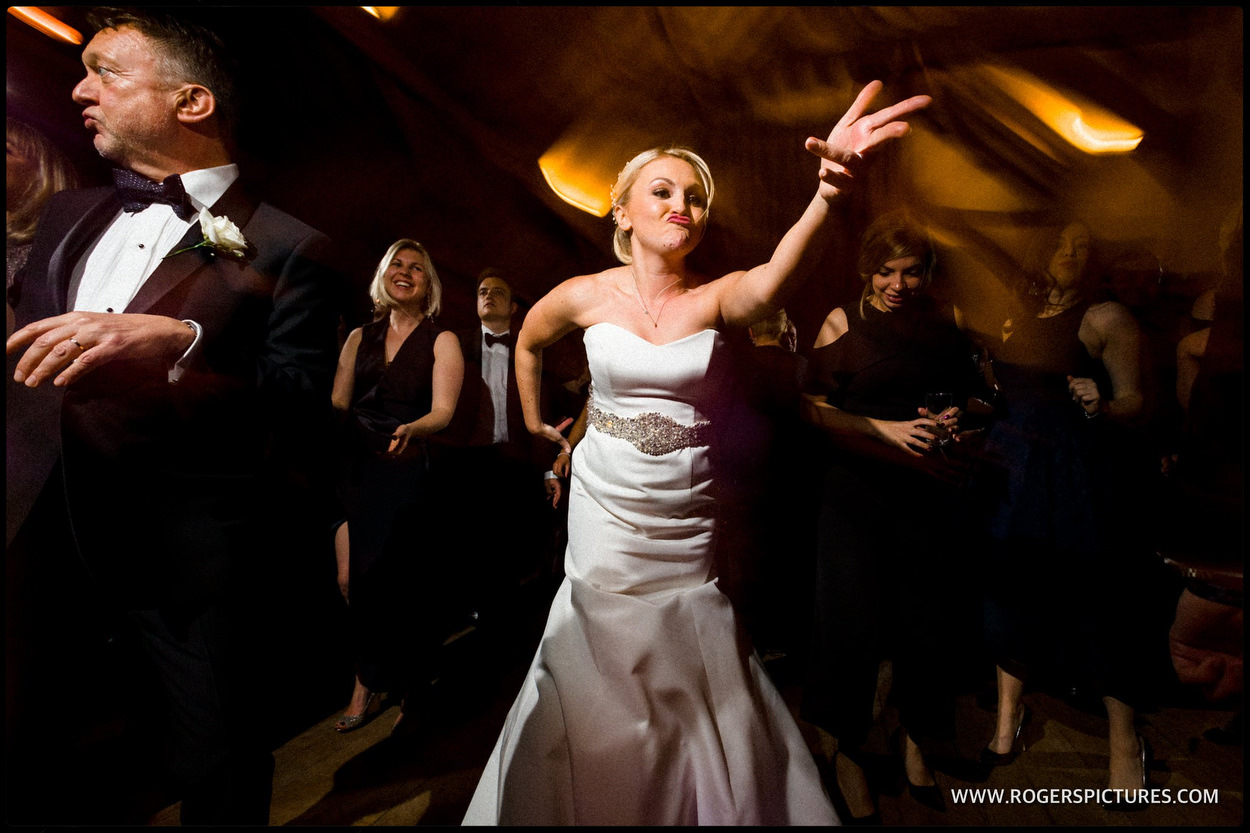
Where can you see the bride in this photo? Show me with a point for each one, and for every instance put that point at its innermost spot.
(644, 703)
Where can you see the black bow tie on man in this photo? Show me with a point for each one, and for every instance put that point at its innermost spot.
(492, 339)
(138, 192)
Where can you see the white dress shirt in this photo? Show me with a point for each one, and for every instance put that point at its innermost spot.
(133, 245)
(495, 360)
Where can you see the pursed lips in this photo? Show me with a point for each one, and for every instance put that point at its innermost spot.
(679, 219)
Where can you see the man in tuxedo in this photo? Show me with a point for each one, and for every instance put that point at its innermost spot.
(171, 332)
(496, 467)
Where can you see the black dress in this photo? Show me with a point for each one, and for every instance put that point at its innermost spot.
(890, 540)
(390, 611)
(1060, 572)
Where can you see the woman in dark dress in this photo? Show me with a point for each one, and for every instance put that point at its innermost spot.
(1069, 371)
(397, 383)
(888, 539)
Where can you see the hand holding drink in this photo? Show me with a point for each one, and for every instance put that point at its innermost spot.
(939, 407)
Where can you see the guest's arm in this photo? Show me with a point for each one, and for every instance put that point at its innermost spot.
(448, 377)
(345, 374)
(1110, 334)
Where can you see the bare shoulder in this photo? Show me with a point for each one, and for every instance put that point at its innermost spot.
(834, 327)
(1109, 316)
(576, 302)
(1193, 345)
(352, 342)
(585, 290)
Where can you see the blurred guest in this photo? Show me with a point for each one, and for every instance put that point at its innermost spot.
(173, 334)
(397, 383)
(890, 543)
(1063, 574)
(35, 169)
(1206, 536)
(1136, 279)
(767, 562)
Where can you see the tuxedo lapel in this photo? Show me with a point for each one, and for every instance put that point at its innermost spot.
(175, 268)
(88, 228)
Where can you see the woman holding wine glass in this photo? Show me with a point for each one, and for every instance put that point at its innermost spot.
(888, 539)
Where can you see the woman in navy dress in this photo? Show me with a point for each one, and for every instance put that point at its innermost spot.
(1058, 600)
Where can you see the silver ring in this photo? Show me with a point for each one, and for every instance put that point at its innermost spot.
(74, 342)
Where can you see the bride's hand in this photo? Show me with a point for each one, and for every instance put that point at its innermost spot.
(550, 432)
(855, 134)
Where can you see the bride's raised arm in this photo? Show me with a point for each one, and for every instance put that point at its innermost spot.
(746, 296)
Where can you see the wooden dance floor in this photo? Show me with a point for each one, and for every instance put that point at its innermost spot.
(427, 774)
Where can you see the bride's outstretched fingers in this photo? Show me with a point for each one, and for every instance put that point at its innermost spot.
(858, 132)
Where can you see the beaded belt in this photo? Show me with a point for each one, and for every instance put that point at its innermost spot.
(651, 433)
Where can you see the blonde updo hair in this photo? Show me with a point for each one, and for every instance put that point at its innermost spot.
(625, 181)
(382, 300)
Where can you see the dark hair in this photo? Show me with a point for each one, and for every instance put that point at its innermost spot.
(892, 237)
(492, 272)
(188, 52)
(1035, 282)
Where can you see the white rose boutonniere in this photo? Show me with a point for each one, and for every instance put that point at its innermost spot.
(220, 235)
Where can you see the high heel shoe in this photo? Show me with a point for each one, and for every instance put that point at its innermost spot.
(352, 722)
(929, 795)
(873, 819)
(991, 758)
(406, 720)
(1122, 804)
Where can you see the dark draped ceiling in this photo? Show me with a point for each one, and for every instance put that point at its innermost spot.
(430, 125)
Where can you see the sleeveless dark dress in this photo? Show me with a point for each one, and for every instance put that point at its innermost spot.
(383, 498)
(890, 540)
(1057, 581)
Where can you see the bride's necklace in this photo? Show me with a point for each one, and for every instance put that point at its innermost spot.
(655, 319)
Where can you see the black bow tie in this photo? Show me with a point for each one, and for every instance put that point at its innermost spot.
(492, 339)
(138, 192)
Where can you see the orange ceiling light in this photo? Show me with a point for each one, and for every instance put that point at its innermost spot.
(382, 13)
(39, 19)
(581, 187)
(1084, 125)
(582, 165)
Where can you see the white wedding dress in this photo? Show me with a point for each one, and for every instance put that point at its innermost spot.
(645, 704)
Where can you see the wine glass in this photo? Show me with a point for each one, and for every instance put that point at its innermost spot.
(937, 404)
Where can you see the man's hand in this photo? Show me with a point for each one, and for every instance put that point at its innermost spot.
(67, 347)
(555, 490)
